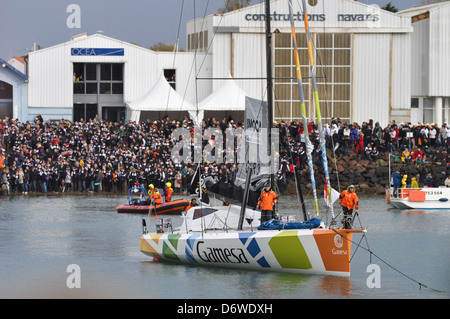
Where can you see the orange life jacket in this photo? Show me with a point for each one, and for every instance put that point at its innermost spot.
(157, 197)
(349, 199)
(267, 200)
(168, 194)
(190, 206)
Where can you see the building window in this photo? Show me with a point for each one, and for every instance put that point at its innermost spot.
(105, 71)
(91, 72)
(414, 103)
(170, 75)
(84, 111)
(332, 57)
(94, 78)
(428, 110)
(198, 41)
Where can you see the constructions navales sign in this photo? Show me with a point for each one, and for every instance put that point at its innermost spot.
(362, 17)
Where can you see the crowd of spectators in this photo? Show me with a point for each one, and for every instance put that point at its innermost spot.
(99, 156)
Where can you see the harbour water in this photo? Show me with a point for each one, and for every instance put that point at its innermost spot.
(41, 237)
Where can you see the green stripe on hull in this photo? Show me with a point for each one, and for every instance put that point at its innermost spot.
(289, 251)
(168, 253)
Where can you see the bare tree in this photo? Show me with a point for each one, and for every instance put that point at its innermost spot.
(231, 5)
(390, 7)
(160, 46)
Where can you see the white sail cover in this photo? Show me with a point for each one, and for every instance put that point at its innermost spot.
(204, 218)
(161, 97)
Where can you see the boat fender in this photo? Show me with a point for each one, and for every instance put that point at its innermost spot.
(443, 199)
(156, 259)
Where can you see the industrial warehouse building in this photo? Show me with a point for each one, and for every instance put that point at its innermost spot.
(370, 64)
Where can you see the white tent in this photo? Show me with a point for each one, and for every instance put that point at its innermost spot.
(161, 98)
(227, 97)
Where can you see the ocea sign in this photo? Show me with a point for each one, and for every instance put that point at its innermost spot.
(97, 51)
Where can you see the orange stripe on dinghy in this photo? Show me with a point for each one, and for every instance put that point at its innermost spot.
(334, 249)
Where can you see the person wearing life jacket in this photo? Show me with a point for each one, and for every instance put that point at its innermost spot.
(348, 200)
(151, 191)
(193, 203)
(266, 202)
(157, 197)
(168, 192)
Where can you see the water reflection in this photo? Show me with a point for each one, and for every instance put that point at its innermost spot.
(41, 235)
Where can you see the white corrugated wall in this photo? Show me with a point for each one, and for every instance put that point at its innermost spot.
(51, 71)
(401, 71)
(370, 90)
(50, 78)
(250, 62)
(420, 58)
(440, 51)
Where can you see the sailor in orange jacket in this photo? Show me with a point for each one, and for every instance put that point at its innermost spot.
(193, 203)
(349, 200)
(267, 201)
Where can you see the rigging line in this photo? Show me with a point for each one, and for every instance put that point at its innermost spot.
(260, 78)
(387, 264)
(175, 54)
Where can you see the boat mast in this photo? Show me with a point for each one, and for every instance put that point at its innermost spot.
(269, 115)
(269, 88)
(317, 105)
(309, 146)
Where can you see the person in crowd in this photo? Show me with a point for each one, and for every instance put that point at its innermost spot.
(447, 181)
(122, 154)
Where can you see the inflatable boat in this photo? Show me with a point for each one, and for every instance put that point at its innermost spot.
(137, 204)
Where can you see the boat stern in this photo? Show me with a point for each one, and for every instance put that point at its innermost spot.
(335, 247)
(146, 248)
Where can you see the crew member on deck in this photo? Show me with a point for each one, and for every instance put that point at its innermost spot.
(348, 200)
(193, 203)
(266, 202)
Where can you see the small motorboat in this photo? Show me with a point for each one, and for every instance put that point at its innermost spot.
(424, 198)
(138, 204)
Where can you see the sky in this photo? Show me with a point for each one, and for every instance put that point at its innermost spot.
(143, 22)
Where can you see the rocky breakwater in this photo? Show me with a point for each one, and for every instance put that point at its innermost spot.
(369, 178)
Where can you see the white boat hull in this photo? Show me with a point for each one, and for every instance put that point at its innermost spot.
(425, 198)
(316, 251)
